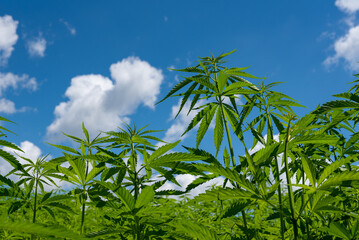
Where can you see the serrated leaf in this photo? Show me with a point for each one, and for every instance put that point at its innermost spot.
(222, 80)
(145, 197)
(334, 166)
(337, 229)
(85, 132)
(177, 87)
(218, 130)
(62, 147)
(315, 139)
(338, 104)
(162, 150)
(205, 122)
(309, 169)
(234, 208)
(174, 157)
(126, 198)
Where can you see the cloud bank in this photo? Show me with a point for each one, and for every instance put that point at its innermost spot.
(103, 103)
(347, 47)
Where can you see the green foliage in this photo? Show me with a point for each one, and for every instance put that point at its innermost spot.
(284, 176)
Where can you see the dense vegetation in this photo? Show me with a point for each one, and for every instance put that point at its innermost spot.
(302, 183)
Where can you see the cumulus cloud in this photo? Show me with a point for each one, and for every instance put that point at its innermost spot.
(349, 6)
(10, 80)
(102, 103)
(7, 106)
(8, 37)
(36, 47)
(347, 47)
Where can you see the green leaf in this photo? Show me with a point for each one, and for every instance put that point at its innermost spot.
(236, 86)
(309, 169)
(338, 104)
(174, 157)
(338, 179)
(126, 198)
(222, 80)
(199, 116)
(337, 229)
(218, 130)
(146, 196)
(234, 208)
(12, 160)
(85, 132)
(162, 150)
(206, 121)
(203, 81)
(265, 153)
(10, 145)
(93, 173)
(195, 230)
(315, 139)
(226, 158)
(334, 166)
(177, 87)
(68, 149)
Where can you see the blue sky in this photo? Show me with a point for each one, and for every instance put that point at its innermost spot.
(104, 62)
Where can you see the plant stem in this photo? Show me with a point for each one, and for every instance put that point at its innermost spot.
(233, 160)
(290, 192)
(35, 202)
(134, 168)
(270, 140)
(83, 214)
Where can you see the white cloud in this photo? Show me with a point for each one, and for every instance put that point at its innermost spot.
(7, 106)
(101, 103)
(10, 80)
(37, 47)
(8, 37)
(347, 48)
(349, 6)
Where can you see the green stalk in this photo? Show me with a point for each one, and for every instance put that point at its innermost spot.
(305, 210)
(134, 163)
(35, 203)
(83, 216)
(83, 209)
(290, 192)
(230, 146)
(270, 140)
(233, 160)
(282, 225)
